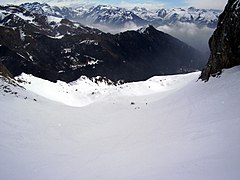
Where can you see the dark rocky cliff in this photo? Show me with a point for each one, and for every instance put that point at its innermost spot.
(225, 42)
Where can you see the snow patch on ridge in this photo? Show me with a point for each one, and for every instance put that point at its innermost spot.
(84, 91)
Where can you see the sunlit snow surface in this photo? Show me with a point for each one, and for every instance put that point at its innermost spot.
(170, 128)
(83, 91)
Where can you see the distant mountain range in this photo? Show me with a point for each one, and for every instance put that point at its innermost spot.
(116, 17)
(52, 47)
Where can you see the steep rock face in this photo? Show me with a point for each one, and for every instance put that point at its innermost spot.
(225, 42)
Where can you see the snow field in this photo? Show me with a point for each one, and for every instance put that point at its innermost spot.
(176, 129)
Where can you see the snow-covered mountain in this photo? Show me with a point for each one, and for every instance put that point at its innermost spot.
(55, 48)
(200, 17)
(168, 127)
(101, 14)
(51, 25)
(45, 9)
(111, 16)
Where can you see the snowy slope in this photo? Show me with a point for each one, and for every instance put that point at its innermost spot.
(84, 91)
(169, 128)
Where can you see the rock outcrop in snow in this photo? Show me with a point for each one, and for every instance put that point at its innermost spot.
(225, 41)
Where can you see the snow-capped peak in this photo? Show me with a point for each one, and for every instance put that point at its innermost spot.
(39, 8)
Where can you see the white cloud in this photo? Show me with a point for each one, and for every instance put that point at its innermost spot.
(217, 4)
(190, 34)
(127, 27)
(186, 32)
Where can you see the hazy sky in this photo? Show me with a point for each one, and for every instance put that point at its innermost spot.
(217, 4)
